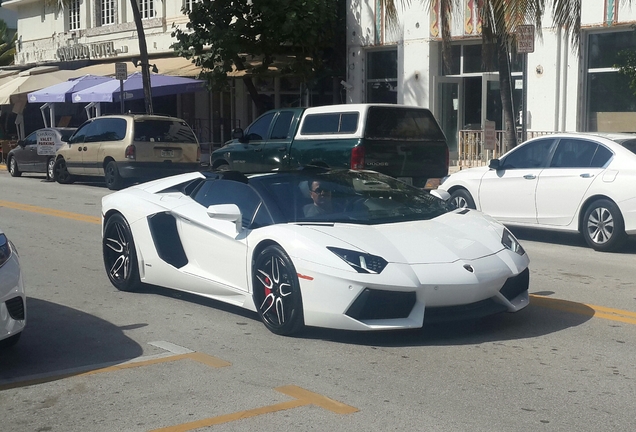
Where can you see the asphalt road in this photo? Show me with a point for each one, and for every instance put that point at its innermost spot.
(95, 359)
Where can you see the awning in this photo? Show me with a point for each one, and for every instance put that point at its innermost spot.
(15, 90)
(173, 66)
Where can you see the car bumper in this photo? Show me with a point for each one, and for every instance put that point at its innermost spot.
(150, 170)
(12, 299)
(406, 296)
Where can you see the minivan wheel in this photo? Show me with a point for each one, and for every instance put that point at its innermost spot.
(114, 180)
(603, 226)
(60, 172)
(13, 168)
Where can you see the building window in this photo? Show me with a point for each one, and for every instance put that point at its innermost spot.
(74, 15)
(382, 76)
(611, 104)
(107, 12)
(147, 8)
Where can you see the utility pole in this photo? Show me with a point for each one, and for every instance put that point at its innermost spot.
(143, 54)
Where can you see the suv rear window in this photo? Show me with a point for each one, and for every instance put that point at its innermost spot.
(163, 131)
(402, 124)
(332, 123)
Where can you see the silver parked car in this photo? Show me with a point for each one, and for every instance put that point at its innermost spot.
(25, 158)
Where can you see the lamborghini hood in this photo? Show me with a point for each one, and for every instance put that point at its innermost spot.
(447, 238)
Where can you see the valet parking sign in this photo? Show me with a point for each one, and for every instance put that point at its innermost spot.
(48, 142)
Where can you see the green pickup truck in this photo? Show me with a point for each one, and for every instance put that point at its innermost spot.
(405, 142)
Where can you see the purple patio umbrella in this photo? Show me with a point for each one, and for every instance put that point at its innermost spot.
(162, 85)
(63, 91)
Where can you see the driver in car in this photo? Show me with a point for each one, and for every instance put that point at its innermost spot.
(321, 197)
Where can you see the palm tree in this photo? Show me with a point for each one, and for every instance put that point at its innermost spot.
(500, 19)
(7, 45)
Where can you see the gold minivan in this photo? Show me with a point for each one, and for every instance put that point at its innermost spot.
(126, 148)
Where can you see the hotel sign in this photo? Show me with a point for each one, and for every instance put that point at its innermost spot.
(87, 51)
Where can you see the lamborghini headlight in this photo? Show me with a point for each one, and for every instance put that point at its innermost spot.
(5, 249)
(511, 242)
(360, 261)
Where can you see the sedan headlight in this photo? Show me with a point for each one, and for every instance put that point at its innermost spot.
(5, 249)
(511, 242)
(360, 261)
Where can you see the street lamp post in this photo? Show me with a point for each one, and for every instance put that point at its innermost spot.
(143, 54)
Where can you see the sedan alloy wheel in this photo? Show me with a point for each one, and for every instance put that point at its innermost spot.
(603, 226)
(13, 168)
(120, 259)
(277, 292)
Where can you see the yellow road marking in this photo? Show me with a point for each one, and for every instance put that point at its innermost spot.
(302, 398)
(611, 314)
(205, 359)
(50, 212)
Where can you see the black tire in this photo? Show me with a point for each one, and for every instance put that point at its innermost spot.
(461, 198)
(277, 292)
(12, 166)
(10, 341)
(603, 227)
(50, 169)
(114, 181)
(120, 258)
(60, 172)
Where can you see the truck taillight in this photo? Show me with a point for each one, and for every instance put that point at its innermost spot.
(130, 152)
(357, 157)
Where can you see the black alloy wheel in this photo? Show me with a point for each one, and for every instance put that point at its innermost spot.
(60, 172)
(277, 292)
(50, 169)
(603, 226)
(120, 258)
(13, 168)
(114, 181)
(461, 198)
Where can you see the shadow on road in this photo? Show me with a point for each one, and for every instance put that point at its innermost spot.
(566, 239)
(49, 344)
(530, 322)
(535, 320)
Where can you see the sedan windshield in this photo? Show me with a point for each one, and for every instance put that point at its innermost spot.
(362, 197)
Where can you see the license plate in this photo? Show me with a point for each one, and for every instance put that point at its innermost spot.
(167, 153)
(407, 180)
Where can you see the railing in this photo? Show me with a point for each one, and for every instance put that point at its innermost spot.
(472, 152)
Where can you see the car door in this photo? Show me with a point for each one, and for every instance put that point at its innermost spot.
(561, 187)
(250, 159)
(508, 194)
(276, 148)
(28, 154)
(92, 144)
(74, 153)
(215, 249)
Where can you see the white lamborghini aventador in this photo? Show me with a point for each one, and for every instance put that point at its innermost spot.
(342, 249)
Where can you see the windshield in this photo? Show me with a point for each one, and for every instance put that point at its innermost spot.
(362, 197)
(629, 144)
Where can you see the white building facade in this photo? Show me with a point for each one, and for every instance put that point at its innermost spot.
(567, 89)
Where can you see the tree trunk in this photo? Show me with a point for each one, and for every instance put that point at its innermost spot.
(505, 89)
(251, 88)
(143, 54)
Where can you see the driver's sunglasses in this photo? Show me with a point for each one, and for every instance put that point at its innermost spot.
(319, 190)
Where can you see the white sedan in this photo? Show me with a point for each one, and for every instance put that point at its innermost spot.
(376, 254)
(577, 182)
(12, 298)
